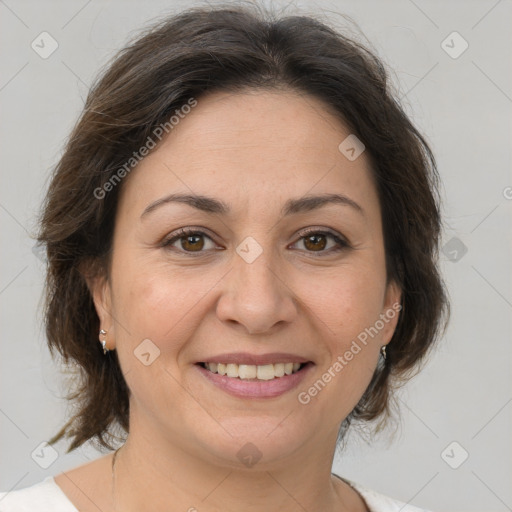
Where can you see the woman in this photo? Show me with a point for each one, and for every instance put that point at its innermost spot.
(241, 237)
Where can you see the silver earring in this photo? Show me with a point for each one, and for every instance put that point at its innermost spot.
(383, 351)
(104, 342)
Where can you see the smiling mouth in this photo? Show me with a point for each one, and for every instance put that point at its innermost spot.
(254, 372)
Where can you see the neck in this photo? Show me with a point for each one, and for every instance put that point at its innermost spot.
(150, 476)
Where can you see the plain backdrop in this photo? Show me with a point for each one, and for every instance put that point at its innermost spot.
(453, 451)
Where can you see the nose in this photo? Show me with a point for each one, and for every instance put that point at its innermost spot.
(257, 296)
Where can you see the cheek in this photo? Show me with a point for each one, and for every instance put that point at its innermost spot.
(347, 302)
(347, 309)
(156, 314)
(157, 303)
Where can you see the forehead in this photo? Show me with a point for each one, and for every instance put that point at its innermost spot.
(256, 144)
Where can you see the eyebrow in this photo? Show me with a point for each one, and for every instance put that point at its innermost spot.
(292, 206)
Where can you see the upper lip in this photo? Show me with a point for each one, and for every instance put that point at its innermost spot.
(255, 359)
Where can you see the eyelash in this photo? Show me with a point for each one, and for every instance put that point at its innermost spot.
(184, 232)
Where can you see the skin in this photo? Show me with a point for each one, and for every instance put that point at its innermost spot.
(254, 151)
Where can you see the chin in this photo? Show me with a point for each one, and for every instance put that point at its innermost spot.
(257, 440)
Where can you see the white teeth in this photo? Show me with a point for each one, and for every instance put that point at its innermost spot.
(232, 370)
(246, 371)
(265, 372)
(250, 371)
(279, 369)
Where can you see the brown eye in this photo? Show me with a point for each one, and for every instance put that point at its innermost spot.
(316, 241)
(191, 241)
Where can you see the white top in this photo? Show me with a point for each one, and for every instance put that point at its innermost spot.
(47, 496)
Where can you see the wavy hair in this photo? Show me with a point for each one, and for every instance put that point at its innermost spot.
(231, 48)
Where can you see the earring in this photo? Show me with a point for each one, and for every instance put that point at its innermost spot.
(104, 342)
(383, 351)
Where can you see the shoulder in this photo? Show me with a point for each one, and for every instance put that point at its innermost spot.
(45, 496)
(377, 502)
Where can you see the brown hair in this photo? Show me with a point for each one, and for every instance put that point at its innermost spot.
(229, 48)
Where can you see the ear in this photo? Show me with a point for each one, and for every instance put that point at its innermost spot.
(391, 309)
(99, 288)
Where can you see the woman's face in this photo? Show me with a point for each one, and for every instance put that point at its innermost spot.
(265, 281)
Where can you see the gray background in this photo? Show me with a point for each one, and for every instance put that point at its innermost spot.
(462, 104)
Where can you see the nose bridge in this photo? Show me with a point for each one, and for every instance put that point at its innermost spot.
(256, 267)
(257, 297)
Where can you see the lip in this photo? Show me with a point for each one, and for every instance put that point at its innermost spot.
(254, 359)
(241, 388)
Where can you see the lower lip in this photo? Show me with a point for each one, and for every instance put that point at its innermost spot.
(256, 389)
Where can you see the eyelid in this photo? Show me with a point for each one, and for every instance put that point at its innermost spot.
(187, 231)
(324, 231)
(341, 241)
